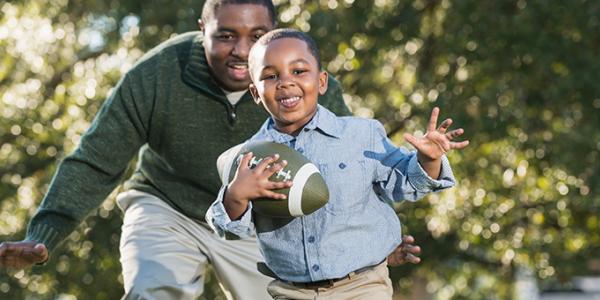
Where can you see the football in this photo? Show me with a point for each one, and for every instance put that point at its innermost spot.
(307, 193)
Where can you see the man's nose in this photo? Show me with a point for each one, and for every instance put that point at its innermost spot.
(242, 48)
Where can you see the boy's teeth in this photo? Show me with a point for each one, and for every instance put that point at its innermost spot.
(289, 100)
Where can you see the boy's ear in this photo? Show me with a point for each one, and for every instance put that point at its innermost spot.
(323, 78)
(254, 93)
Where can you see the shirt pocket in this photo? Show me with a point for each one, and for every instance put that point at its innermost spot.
(347, 183)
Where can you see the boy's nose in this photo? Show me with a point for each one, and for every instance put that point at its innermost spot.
(284, 81)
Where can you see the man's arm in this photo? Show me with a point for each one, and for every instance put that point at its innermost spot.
(86, 177)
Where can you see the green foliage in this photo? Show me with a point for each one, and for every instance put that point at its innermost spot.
(519, 76)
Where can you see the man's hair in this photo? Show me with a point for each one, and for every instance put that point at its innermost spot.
(287, 33)
(211, 7)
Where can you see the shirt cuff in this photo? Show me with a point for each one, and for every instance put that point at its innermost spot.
(219, 220)
(419, 178)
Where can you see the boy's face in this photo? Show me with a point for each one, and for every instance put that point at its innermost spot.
(228, 37)
(287, 80)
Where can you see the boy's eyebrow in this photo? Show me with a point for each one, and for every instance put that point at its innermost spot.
(298, 60)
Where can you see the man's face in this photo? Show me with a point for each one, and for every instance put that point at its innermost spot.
(287, 80)
(228, 37)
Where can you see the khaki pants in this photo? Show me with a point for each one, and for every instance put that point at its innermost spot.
(164, 254)
(372, 284)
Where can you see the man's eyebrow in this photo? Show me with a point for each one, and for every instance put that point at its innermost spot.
(229, 29)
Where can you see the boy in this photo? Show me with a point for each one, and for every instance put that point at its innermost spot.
(339, 251)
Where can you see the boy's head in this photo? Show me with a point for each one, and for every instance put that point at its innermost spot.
(230, 28)
(285, 68)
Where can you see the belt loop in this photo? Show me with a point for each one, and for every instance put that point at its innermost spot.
(351, 275)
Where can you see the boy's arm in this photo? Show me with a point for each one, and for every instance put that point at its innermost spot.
(218, 219)
(399, 175)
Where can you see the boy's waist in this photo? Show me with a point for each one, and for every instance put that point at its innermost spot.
(325, 283)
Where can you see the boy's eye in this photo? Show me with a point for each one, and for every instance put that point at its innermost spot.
(299, 71)
(269, 77)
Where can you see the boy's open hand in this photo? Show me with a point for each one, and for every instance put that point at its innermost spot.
(436, 142)
(250, 184)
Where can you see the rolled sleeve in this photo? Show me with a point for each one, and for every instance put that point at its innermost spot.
(219, 220)
(423, 183)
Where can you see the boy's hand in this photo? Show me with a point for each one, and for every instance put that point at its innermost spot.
(22, 254)
(435, 143)
(249, 184)
(406, 252)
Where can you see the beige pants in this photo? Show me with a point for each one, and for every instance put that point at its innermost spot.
(164, 254)
(372, 284)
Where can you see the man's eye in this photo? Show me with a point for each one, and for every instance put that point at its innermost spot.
(257, 36)
(224, 37)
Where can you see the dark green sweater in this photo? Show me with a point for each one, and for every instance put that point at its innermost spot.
(170, 110)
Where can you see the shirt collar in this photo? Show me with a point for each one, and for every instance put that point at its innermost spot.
(324, 120)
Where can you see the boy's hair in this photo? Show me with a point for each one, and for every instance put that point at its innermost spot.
(211, 7)
(288, 33)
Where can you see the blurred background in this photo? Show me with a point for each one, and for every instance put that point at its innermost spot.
(520, 76)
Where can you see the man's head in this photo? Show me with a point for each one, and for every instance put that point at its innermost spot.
(230, 28)
(285, 67)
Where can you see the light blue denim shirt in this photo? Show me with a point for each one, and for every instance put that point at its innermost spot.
(357, 228)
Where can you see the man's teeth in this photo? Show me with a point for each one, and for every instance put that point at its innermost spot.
(290, 100)
(240, 66)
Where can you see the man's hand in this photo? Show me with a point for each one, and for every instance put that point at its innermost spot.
(406, 252)
(24, 254)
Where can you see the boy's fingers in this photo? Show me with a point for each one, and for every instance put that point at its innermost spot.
(454, 133)
(273, 195)
(245, 162)
(433, 119)
(276, 167)
(444, 126)
(459, 145)
(278, 185)
(266, 162)
(411, 139)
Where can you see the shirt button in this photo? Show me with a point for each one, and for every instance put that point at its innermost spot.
(301, 150)
(315, 268)
(311, 239)
(306, 129)
(342, 165)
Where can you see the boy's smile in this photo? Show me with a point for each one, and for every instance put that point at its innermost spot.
(287, 80)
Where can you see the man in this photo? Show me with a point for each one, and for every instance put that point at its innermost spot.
(180, 106)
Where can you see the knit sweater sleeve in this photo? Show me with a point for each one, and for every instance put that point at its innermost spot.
(88, 175)
(333, 99)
